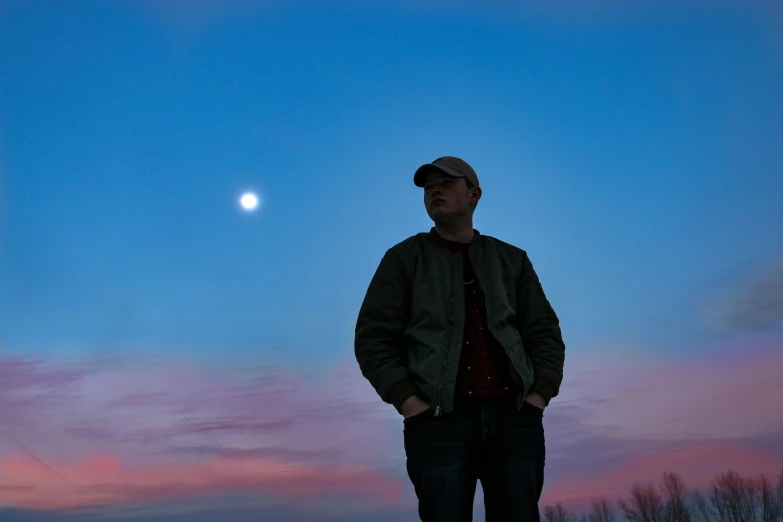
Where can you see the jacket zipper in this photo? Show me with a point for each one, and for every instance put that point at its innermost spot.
(439, 407)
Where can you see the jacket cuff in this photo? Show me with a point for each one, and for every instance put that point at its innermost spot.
(544, 389)
(399, 391)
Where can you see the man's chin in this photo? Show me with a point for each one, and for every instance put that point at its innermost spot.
(443, 216)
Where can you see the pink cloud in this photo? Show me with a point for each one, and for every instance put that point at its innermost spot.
(261, 428)
(727, 395)
(106, 480)
(272, 431)
(630, 416)
(697, 464)
(620, 417)
(142, 409)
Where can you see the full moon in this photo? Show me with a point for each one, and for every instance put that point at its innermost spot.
(249, 201)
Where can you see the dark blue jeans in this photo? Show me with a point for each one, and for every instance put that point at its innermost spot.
(482, 439)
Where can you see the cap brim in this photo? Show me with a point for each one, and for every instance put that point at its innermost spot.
(420, 177)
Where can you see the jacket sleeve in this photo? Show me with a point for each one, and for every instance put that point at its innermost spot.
(540, 331)
(378, 346)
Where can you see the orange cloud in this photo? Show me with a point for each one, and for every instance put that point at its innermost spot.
(698, 465)
(107, 481)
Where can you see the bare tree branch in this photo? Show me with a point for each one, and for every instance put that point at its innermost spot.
(731, 498)
(645, 504)
(702, 510)
(734, 498)
(779, 499)
(767, 504)
(556, 513)
(675, 509)
(602, 511)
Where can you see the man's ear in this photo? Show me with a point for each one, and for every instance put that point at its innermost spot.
(475, 196)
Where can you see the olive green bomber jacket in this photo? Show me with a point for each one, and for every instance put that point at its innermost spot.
(409, 330)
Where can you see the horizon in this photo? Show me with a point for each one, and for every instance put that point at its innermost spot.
(194, 196)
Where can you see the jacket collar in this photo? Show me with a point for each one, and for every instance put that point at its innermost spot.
(433, 233)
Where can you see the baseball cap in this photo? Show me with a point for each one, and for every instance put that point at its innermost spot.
(449, 165)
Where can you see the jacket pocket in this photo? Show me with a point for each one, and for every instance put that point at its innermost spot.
(419, 416)
(531, 410)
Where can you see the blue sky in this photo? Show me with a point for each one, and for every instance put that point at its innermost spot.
(643, 151)
(634, 153)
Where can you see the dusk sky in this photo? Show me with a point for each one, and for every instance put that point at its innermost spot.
(167, 355)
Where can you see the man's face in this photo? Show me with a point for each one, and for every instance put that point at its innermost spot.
(447, 197)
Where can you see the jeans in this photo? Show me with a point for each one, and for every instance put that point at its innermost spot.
(482, 439)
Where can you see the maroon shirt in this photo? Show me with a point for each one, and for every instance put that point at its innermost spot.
(484, 367)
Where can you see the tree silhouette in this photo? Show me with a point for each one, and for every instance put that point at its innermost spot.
(675, 508)
(645, 505)
(729, 498)
(767, 498)
(702, 511)
(735, 498)
(556, 513)
(779, 499)
(602, 511)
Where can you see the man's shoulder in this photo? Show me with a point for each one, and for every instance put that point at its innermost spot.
(416, 241)
(493, 242)
(409, 244)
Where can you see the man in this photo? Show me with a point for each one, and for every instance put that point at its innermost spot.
(455, 331)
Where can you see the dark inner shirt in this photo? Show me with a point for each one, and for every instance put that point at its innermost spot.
(484, 368)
